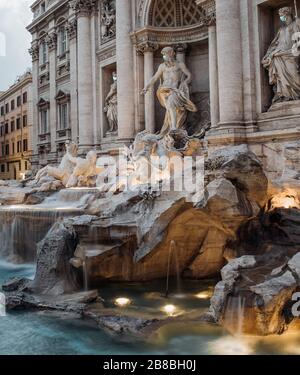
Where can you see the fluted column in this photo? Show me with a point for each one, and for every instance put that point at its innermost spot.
(124, 53)
(52, 43)
(72, 36)
(83, 9)
(229, 63)
(213, 76)
(34, 52)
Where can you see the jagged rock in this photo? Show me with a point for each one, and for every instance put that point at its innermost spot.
(54, 274)
(294, 266)
(15, 284)
(125, 326)
(75, 302)
(36, 197)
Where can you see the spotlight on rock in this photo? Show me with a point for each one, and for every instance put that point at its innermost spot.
(285, 201)
(169, 310)
(203, 295)
(122, 302)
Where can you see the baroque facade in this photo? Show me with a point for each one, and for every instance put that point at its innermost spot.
(78, 45)
(16, 129)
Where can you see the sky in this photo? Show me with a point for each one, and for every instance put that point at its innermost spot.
(15, 15)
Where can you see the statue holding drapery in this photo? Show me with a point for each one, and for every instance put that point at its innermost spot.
(280, 61)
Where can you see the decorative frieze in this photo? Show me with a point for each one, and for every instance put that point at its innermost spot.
(108, 20)
(166, 37)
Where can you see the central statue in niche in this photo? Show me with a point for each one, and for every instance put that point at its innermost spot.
(280, 61)
(173, 92)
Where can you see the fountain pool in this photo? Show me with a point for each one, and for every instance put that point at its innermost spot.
(52, 333)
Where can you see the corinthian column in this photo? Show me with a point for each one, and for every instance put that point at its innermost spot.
(229, 63)
(83, 9)
(125, 70)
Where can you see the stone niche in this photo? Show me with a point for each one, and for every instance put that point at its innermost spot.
(196, 59)
(268, 26)
(106, 74)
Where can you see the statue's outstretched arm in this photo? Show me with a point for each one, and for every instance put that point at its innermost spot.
(154, 79)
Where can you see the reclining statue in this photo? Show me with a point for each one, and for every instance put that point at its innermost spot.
(85, 171)
(65, 169)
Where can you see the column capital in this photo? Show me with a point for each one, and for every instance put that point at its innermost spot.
(84, 7)
(181, 47)
(72, 28)
(34, 52)
(209, 7)
(145, 47)
(51, 41)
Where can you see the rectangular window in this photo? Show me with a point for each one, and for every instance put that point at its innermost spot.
(7, 149)
(43, 53)
(63, 116)
(18, 123)
(6, 108)
(26, 165)
(12, 126)
(63, 41)
(25, 97)
(18, 101)
(13, 147)
(18, 146)
(25, 145)
(12, 105)
(24, 121)
(2, 168)
(6, 128)
(2, 111)
(2, 131)
(44, 121)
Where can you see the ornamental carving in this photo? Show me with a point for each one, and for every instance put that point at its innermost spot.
(34, 52)
(51, 41)
(143, 47)
(108, 20)
(72, 29)
(209, 8)
(84, 7)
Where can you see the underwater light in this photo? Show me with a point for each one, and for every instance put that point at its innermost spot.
(122, 302)
(203, 295)
(169, 309)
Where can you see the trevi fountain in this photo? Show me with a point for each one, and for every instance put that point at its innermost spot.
(177, 245)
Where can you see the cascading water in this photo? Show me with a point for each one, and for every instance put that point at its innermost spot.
(23, 226)
(173, 255)
(234, 315)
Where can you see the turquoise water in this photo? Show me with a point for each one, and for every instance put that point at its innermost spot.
(50, 333)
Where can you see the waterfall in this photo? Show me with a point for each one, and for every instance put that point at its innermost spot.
(234, 315)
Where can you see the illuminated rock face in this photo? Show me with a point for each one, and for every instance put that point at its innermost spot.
(266, 279)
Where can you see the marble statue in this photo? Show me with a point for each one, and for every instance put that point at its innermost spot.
(85, 171)
(108, 20)
(280, 62)
(65, 169)
(111, 106)
(173, 92)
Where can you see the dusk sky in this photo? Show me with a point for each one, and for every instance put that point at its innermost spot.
(15, 15)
